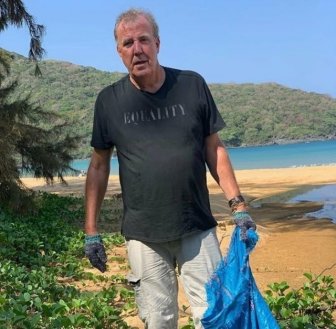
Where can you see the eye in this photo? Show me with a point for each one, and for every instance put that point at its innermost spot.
(127, 43)
(144, 39)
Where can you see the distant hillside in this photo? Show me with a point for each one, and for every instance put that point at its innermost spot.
(271, 113)
(66, 88)
(254, 113)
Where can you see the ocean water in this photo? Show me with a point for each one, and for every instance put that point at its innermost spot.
(263, 157)
(284, 156)
(325, 194)
(278, 156)
(83, 164)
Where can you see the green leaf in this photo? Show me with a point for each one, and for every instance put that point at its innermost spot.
(26, 296)
(309, 276)
(58, 309)
(285, 313)
(18, 319)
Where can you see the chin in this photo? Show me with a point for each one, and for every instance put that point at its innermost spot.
(141, 73)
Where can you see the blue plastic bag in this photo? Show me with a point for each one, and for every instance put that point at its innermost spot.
(234, 301)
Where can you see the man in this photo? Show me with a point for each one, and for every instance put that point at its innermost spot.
(164, 124)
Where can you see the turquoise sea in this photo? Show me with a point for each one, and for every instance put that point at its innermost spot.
(285, 155)
(262, 157)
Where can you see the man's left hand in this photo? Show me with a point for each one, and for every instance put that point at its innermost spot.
(245, 222)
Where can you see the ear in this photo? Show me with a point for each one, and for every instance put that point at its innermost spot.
(118, 49)
(157, 42)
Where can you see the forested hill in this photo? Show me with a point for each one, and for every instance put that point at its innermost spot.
(254, 113)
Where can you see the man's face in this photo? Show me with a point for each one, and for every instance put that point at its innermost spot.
(137, 47)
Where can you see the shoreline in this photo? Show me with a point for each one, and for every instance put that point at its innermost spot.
(259, 186)
(289, 141)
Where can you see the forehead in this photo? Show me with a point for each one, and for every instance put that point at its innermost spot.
(134, 28)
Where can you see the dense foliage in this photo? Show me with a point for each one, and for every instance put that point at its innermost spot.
(31, 138)
(255, 114)
(67, 89)
(42, 260)
(46, 282)
(271, 113)
(310, 307)
(27, 143)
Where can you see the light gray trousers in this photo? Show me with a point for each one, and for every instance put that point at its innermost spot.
(153, 275)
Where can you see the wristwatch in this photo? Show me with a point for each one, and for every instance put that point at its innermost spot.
(236, 201)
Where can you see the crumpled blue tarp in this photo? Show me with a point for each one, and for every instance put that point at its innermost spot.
(233, 296)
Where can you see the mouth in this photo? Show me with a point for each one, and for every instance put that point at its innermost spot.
(140, 62)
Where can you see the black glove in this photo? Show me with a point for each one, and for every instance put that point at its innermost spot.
(245, 222)
(95, 251)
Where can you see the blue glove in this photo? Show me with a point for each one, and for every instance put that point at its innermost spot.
(95, 251)
(245, 222)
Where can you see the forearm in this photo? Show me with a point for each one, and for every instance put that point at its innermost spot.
(95, 188)
(221, 169)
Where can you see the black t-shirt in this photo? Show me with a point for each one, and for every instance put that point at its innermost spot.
(160, 141)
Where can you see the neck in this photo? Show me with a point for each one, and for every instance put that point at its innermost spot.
(152, 83)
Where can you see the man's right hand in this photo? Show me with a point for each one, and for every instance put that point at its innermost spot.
(95, 251)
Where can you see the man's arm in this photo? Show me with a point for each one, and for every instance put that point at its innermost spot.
(95, 188)
(220, 167)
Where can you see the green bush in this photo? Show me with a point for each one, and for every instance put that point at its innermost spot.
(309, 307)
(42, 259)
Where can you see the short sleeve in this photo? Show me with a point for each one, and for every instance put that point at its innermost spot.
(99, 138)
(213, 121)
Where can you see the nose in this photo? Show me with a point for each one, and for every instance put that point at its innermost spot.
(137, 47)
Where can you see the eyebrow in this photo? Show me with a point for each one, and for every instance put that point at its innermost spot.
(123, 41)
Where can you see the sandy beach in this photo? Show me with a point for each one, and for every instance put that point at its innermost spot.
(290, 244)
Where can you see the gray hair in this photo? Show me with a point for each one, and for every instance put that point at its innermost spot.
(131, 15)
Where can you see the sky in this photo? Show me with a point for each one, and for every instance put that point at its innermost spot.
(289, 42)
